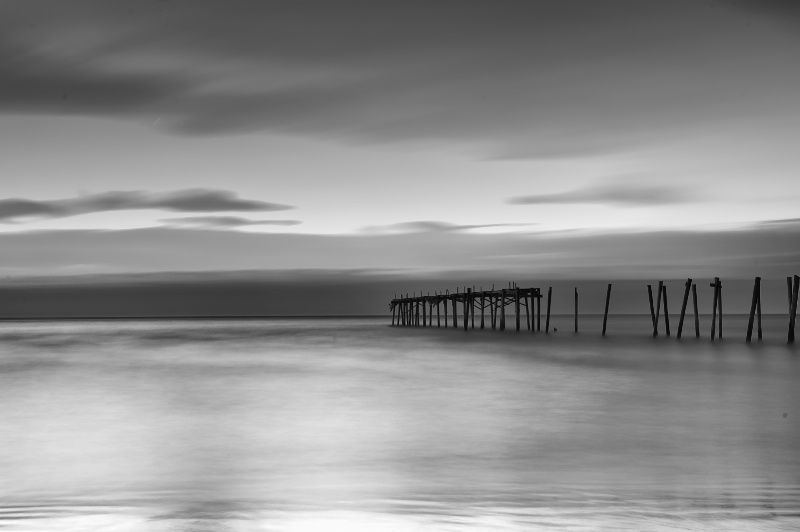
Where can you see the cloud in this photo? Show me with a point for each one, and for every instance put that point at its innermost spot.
(768, 251)
(430, 226)
(222, 222)
(189, 200)
(471, 73)
(620, 194)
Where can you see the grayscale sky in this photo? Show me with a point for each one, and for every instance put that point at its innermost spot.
(622, 138)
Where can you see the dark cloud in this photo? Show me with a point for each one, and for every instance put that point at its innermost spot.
(528, 79)
(430, 226)
(224, 222)
(623, 194)
(190, 200)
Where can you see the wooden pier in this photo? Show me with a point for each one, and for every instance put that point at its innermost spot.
(418, 310)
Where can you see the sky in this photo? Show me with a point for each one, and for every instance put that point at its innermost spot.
(622, 139)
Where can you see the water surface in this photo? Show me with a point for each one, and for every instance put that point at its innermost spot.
(349, 424)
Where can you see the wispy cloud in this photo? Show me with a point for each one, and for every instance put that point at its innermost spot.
(189, 200)
(223, 222)
(615, 193)
(431, 226)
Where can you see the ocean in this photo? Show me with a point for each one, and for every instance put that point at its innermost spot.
(352, 425)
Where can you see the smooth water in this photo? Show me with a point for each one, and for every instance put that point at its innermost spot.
(353, 425)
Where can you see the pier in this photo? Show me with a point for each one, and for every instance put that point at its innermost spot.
(490, 305)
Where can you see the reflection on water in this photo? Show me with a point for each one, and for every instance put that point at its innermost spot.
(304, 425)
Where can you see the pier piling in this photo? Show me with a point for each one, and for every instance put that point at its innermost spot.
(683, 306)
(605, 313)
(666, 309)
(549, 296)
(576, 309)
(696, 312)
(753, 306)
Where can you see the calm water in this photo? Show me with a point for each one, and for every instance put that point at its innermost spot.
(352, 425)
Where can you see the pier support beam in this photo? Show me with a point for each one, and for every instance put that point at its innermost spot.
(467, 304)
(793, 309)
(715, 285)
(753, 306)
(683, 306)
(605, 313)
(576, 309)
(666, 309)
(652, 308)
(503, 310)
(549, 296)
(658, 308)
(516, 307)
(696, 312)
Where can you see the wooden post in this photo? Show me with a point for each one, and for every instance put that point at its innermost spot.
(719, 306)
(483, 306)
(438, 314)
(666, 309)
(444, 304)
(424, 313)
(492, 312)
(696, 312)
(503, 309)
(658, 308)
(652, 308)
(516, 307)
(789, 291)
(793, 312)
(549, 296)
(472, 309)
(753, 304)
(605, 313)
(526, 301)
(576, 309)
(759, 312)
(715, 285)
(466, 307)
(538, 311)
(683, 306)
(455, 313)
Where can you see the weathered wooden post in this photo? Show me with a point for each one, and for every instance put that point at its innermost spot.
(719, 306)
(467, 299)
(472, 300)
(438, 313)
(538, 311)
(503, 309)
(683, 306)
(455, 311)
(444, 304)
(424, 312)
(759, 312)
(528, 299)
(576, 309)
(753, 305)
(793, 311)
(549, 296)
(696, 312)
(516, 307)
(658, 308)
(666, 309)
(483, 307)
(652, 308)
(715, 285)
(605, 313)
